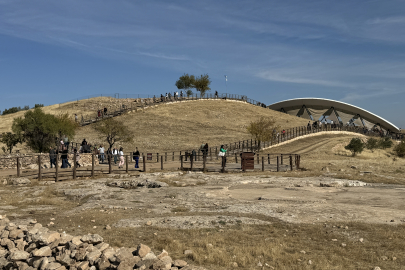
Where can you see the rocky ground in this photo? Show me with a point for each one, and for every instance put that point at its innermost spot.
(190, 201)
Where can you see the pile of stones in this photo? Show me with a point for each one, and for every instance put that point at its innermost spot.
(31, 246)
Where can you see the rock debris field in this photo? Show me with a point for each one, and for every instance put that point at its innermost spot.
(173, 200)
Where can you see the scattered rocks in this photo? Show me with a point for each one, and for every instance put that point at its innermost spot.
(343, 183)
(19, 181)
(137, 183)
(35, 247)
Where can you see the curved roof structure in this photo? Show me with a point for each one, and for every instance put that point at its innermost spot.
(319, 109)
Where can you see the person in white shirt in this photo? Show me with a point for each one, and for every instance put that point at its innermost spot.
(115, 153)
(101, 150)
(121, 155)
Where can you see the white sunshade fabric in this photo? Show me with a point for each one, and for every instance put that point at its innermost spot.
(316, 114)
(293, 112)
(305, 115)
(345, 117)
(358, 122)
(333, 117)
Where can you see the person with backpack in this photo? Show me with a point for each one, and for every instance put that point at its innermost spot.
(136, 157)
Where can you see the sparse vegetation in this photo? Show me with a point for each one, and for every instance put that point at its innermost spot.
(372, 144)
(113, 131)
(201, 84)
(385, 143)
(400, 149)
(10, 140)
(263, 129)
(355, 146)
(41, 130)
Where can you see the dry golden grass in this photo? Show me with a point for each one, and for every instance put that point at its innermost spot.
(170, 127)
(319, 152)
(279, 244)
(185, 125)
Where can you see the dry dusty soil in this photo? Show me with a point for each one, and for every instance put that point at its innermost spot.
(253, 221)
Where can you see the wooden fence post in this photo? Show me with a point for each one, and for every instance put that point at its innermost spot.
(161, 164)
(39, 169)
(268, 158)
(157, 157)
(191, 162)
(92, 165)
(258, 158)
(109, 164)
(144, 163)
(181, 160)
(291, 163)
(173, 157)
(216, 151)
(211, 153)
(236, 158)
(56, 166)
(278, 163)
(204, 163)
(262, 164)
(165, 156)
(282, 159)
(18, 167)
(74, 165)
(126, 163)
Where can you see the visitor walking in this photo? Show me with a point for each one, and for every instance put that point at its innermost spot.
(52, 156)
(222, 153)
(136, 157)
(77, 157)
(101, 151)
(121, 155)
(115, 154)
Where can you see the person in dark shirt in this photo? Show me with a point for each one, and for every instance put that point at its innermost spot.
(136, 157)
(52, 156)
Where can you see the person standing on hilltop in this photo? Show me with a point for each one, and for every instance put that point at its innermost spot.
(136, 157)
(121, 155)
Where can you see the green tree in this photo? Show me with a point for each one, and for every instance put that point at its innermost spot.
(372, 144)
(202, 84)
(113, 131)
(262, 129)
(40, 130)
(66, 125)
(400, 149)
(189, 93)
(385, 142)
(10, 140)
(355, 146)
(185, 82)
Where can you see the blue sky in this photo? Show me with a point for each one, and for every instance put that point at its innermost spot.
(351, 51)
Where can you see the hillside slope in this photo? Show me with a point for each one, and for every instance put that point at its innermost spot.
(185, 125)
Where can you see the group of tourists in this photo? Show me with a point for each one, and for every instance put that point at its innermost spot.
(64, 156)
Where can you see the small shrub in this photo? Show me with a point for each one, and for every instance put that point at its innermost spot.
(371, 144)
(355, 146)
(400, 149)
(385, 143)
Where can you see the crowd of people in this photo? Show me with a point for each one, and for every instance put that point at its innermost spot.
(101, 153)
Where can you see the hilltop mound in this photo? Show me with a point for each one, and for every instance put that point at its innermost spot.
(185, 125)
